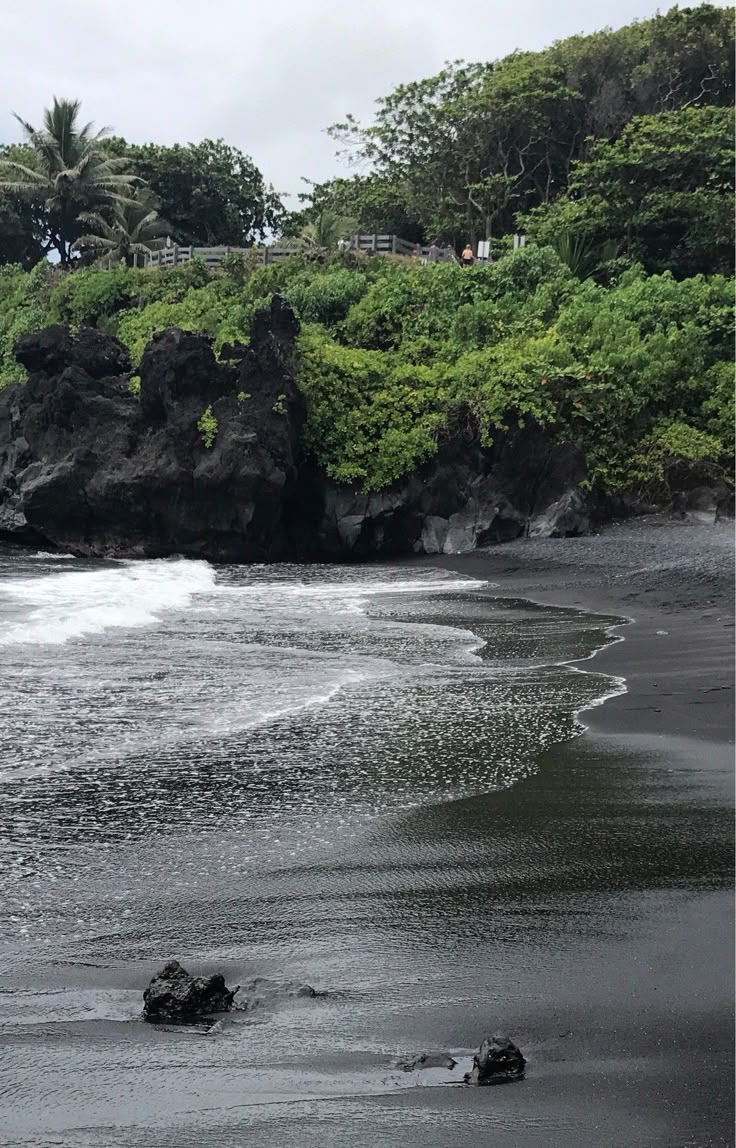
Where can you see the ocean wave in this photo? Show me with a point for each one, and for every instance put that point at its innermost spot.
(58, 607)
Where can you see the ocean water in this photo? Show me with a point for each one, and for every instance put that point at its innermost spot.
(266, 771)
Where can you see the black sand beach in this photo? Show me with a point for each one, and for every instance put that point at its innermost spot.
(584, 904)
(650, 1055)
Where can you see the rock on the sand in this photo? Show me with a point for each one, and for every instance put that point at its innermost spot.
(497, 1060)
(175, 997)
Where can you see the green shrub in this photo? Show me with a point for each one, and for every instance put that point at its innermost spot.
(207, 425)
(392, 356)
(529, 285)
(719, 407)
(668, 446)
(86, 295)
(371, 418)
(326, 298)
(24, 308)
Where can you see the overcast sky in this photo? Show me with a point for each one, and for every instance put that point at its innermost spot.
(267, 77)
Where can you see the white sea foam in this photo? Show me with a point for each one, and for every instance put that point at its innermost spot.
(265, 650)
(304, 601)
(58, 607)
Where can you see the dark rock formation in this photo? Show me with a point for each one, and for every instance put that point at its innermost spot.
(496, 1061)
(175, 997)
(87, 467)
(262, 992)
(701, 492)
(52, 350)
(466, 497)
(422, 1060)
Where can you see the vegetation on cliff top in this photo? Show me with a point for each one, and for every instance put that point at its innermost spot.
(462, 154)
(613, 327)
(394, 357)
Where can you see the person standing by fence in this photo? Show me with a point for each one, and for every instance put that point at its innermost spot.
(467, 258)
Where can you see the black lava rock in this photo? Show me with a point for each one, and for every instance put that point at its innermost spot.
(496, 1061)
(93, 469)
(175, 997)
(88, 467)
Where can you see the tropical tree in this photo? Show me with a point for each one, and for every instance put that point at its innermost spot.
(327, 229)
(70, 172)
(209, 192)
(133, 227)
(663, 191)
(20, 217)
(465, 151)
(376, 204)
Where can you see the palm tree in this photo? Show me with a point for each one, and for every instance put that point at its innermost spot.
(70, 171)
(132, 227)
(325, 231)
(580, 253)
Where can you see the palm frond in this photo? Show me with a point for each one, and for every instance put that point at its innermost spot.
(80, 184)
(93, 217)
(32, 176)
(43, 145)
(96, 241)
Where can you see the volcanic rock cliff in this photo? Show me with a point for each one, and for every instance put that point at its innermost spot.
(90, 467)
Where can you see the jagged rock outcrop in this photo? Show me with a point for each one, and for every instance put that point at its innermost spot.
(174, 996)
(88, 467)
(497, 1060)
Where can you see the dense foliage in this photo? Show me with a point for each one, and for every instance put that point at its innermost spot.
(394, 357)
(661, 194)
(613, 327)
(461, 154)
(65, 176)
(20, 231)
(80, 194)
(208, 192)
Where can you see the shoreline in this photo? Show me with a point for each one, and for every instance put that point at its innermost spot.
(586, 909)
(676, 654)
(663, 749)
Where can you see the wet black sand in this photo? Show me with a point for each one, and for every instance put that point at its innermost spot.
(650, 1057)
(587, 909)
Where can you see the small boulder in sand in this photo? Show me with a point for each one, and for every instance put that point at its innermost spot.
(176, 997)
(426, 1060)
(496, 1061)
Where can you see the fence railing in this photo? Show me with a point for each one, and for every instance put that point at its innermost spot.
(176, 254)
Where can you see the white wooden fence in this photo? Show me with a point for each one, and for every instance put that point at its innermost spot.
(176, 254)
